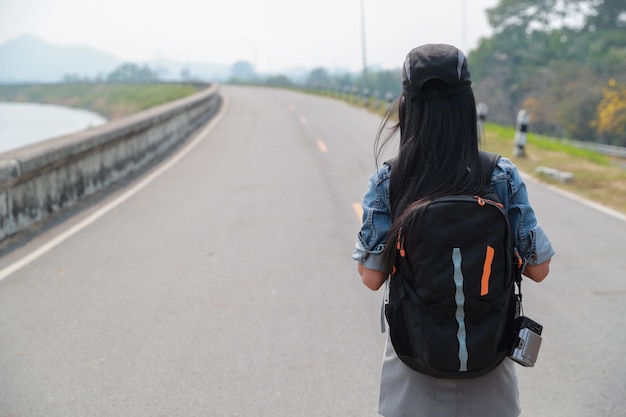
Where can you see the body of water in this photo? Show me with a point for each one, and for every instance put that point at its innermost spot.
(22, 124)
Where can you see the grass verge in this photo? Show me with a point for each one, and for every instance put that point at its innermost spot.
(110, 100)
(597, 177)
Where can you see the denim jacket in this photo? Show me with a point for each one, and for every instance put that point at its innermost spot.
(528, 237)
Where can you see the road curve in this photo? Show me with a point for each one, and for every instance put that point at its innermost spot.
(221, 284)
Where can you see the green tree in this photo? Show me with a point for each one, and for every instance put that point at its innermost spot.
(242, 71)
(278, 81)
(553, 58)
(547, 15)
(132, 73)
(386, 82)
(611, 114)
(319, 78)
(531, 15)
(606, 14)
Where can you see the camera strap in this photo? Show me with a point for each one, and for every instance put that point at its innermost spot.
(517, 272)
(519, 309)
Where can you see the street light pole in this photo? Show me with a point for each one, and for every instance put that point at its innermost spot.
(363, 44)
(464, 25)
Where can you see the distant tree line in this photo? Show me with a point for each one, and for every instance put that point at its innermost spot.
(132, 73)
(125, 73)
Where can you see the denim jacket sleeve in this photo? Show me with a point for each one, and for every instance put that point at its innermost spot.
(529, 238)
(376, 221)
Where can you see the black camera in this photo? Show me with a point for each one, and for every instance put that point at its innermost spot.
(527, 341)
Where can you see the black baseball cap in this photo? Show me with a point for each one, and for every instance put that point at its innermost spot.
(435, 62)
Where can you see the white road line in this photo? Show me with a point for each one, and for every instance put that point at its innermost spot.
(51, 244)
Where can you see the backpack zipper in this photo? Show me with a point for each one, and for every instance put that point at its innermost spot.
(482, 201)
(400, 243)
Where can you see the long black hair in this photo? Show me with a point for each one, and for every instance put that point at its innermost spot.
(438, 152)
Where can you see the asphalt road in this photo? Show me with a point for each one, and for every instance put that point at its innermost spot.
(220, 284)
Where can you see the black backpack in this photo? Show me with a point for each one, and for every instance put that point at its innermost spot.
(451, 304)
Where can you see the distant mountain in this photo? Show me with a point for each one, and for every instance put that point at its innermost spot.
(31, 59)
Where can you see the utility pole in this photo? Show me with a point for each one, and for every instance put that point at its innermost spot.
(363, 44)
(464, 26)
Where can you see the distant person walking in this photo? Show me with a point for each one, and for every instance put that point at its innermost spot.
(439, 155)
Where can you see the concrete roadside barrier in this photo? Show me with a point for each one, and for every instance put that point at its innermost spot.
(556, 174)
(44, 178)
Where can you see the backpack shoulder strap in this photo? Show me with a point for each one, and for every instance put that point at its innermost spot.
(489, 161)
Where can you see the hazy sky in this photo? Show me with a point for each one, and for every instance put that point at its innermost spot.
(272, 34)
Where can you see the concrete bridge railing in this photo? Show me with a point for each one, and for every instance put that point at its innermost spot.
(39, 180)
